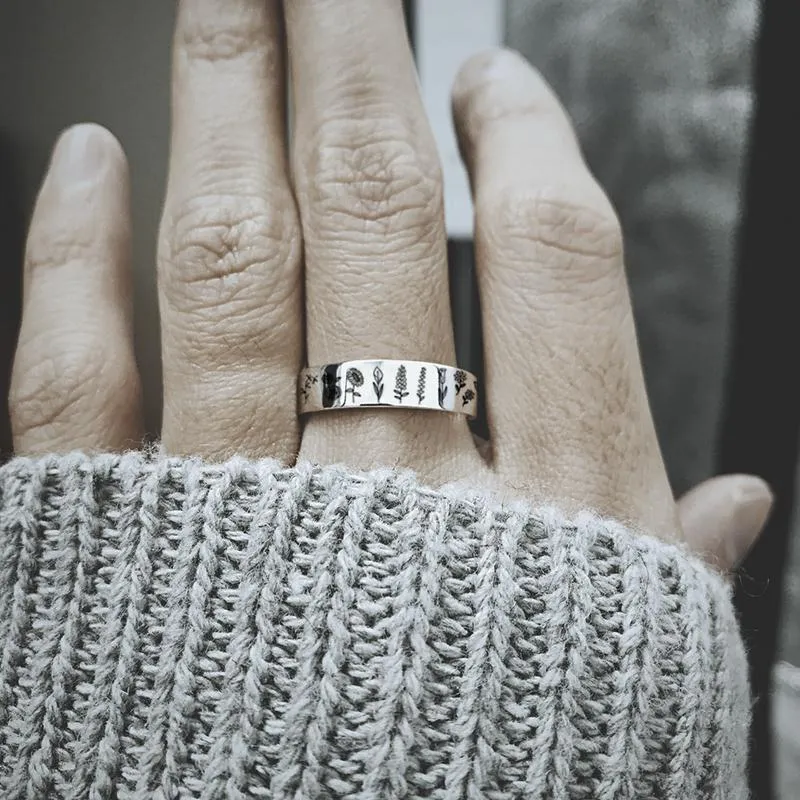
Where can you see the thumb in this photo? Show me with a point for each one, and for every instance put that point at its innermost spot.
(723, 516)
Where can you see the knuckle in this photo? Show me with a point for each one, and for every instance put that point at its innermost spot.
(214, 248)
(203, 40)
(579, 224)
(52, 249)
(371, 173)
(66, 386)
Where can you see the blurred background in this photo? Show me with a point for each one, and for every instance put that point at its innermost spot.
(685, 117)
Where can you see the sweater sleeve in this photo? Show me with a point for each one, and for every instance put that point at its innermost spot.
(173, 629)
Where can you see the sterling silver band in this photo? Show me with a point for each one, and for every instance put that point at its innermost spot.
(385, 383)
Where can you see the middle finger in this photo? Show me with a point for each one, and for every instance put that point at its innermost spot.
(368, 186)
(229, 250)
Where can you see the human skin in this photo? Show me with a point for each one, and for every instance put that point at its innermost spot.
(332, 247)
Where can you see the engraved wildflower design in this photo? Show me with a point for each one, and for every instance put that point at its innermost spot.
(309, 381)
(401, 384)
(467, 397)
(353, 379)
(377, 382)
(460, 379)
(331, 391)
(442, 385)
(421, 385)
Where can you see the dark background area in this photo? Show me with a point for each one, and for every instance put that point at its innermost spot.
(760, 428)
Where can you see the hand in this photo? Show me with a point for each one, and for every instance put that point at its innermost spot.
(358, 224)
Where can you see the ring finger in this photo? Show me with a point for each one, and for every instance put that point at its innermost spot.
(370, 198)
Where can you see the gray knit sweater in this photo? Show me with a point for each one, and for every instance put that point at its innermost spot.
(171, 629)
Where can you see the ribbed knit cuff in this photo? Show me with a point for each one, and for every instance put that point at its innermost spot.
(174, 629)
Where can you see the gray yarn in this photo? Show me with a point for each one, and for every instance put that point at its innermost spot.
(171, 629)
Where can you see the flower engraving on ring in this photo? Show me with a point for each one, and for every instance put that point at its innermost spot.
(377, 382)
(353, 379)
(401, 384)
(421, 385)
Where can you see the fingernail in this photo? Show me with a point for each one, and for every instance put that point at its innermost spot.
(504, 63)
(80, 154)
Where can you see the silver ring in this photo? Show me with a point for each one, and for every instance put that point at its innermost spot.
(385, 383)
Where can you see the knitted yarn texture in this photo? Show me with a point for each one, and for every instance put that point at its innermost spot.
(173, 629)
